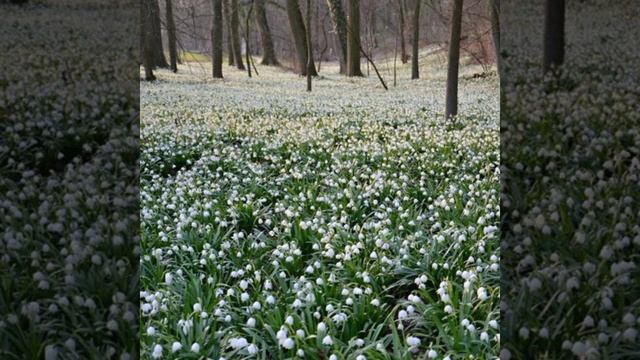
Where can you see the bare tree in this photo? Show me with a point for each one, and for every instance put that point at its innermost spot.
(340, 23)
(147, 35)
(415, 41)
(216, 39)
(353, 38)
(156, 38)
(268, 51)
(171, 36)
(299, 31)
(235, 35)
(309, 46)
(227, 18)
(454, 60)
(404, 57)
(495, 28)
(553, 35)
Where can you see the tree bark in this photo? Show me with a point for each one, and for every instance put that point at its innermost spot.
(454, 60)
(415, 73)
(158, 52)
(298, 31)
(553, 35)
(246, 38)
(147, 34)
(235, 35)
(340, 22)
(268, 51)
(227, 18)
(309, 46)
(404, 57)
(495, 29)
(216, 39)
(171, 35)
(353, 38)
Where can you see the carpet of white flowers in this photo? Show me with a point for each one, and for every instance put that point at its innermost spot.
(68, 182)
(571, 203)
(346, 223)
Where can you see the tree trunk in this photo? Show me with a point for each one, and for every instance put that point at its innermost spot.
(246, 38)
(454, 60)
(171, 35)
(415, 74)
(553, 35)
(495, 29)
(404, 57)
(340, 23)
(216, 39)
(353, 38)
(309, 46)
(235, 35)
(158, 52)
(147, 35)
(299, 31)
(268, 51)
(227, 18)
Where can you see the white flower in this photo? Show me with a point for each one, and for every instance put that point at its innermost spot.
(413, 341)
(195, 348)
(168, 278)
(197, 307)
(157, 351)
(288, 343)
(327, 340)
(251, 322)
(252, 349)
(432, 354)
(322, 327)
(176, 346)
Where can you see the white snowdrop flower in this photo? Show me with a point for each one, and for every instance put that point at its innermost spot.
(176, 346)
(157, 351)
(375, 302)
(493, 324)
(628, 319)
(333, 357)
(432, 354)
(297, 303)
(289, 320)
(168, 278)
(244, 284)
(482, 294)
(252, 349)
(465, 322)
(251, 322)
(413, 341)
(288, 343)
(300, 333)
(197, 307)
(270, 300)
(151, 331)
(322, 327)
(579, 348)
(349, 301)
(359, 342)
(257, 306)
(588, 321)
(505, 354)
(448, 309)
(300, 353)
(402, 314)
(327, 340)
(238, 343)
(544, 333)
(195, 347)
(50, 352)
(484, 336)
(630, 334)
(523, 332)
(244, 297)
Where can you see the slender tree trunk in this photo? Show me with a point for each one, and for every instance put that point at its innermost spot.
(268, 51)
(235, 35)
(158, 52)
(147, 35)
(298, 31)
(216, 39)
(454, 60)
(171, 35)
(404, 57)
(227, 18)
(553, 35)
(353, 38)
(309, 46)
(246, 38)
(495, 29)
(340, 22)
(415, 74)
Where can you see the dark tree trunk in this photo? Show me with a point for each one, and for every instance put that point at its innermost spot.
(235, 34)
(454, 60)
(309, 46)
(158, 51)
(415, 74)
(246, 38)
(495, 29)
(268, 51)
(299, 31)
(353, 38)
(171, 35)
(553, 35)
(227, 19)
(404, 57)
(340, 22)
(216, 39)
(146, 37)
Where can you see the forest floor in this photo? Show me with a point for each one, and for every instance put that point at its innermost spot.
(345, 223)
